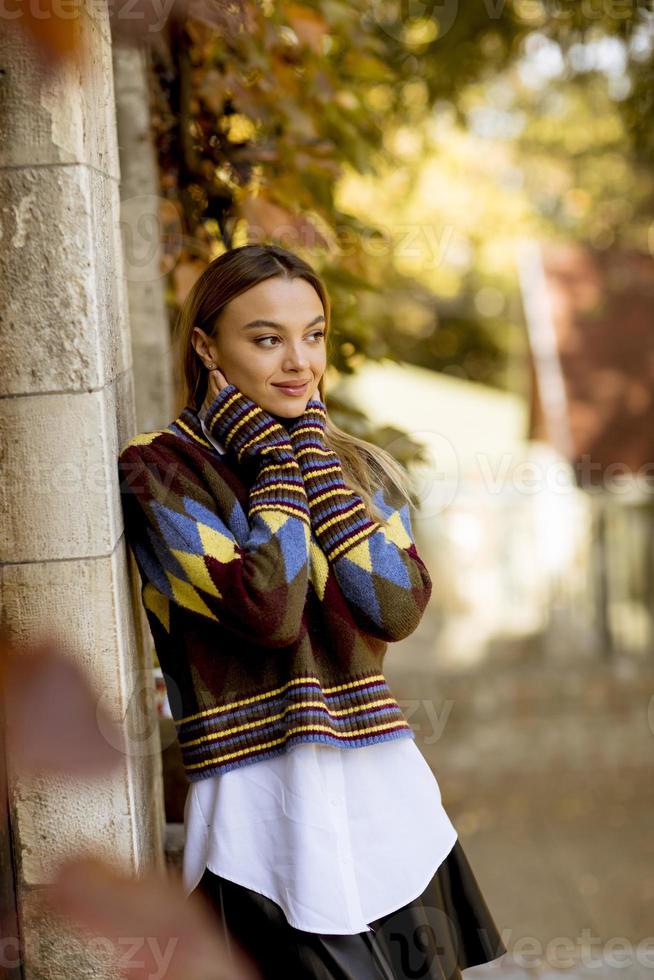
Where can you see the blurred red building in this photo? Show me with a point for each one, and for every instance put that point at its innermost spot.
(590, 317)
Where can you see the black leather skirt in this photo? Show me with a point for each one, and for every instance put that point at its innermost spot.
(437, 935)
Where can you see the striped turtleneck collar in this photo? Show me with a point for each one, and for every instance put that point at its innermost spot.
(189, 424)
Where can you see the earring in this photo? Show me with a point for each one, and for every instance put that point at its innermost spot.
(210, 367)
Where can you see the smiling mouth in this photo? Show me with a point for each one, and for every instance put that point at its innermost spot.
(292, 385)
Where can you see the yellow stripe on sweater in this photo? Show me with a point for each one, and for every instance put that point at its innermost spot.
(250, 725)
(194, 435)
(295, 682)
(292, 731)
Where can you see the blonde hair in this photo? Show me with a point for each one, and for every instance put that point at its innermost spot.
(366, 467)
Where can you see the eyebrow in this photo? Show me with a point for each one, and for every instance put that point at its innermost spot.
(280, 326)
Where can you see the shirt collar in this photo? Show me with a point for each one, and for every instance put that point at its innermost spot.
(212, 439)
(191, 424)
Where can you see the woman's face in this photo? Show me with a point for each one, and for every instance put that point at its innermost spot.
(271, 334)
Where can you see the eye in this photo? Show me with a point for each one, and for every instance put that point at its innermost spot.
(261, 340)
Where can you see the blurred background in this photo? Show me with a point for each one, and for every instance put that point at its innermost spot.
(475, 184)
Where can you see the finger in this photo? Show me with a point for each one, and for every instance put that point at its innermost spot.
(55, 720)
(96, 898)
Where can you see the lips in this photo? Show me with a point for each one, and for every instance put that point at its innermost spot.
(290, 384)
(292, 390)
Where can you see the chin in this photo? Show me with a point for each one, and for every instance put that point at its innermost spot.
(289, 415)
(289, 408)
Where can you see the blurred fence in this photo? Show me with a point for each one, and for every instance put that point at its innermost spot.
(558, 571)
(621, 573)
(605, 597)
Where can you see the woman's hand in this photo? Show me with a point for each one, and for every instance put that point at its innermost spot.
(243, 426)
(314, 416)
(217, 381)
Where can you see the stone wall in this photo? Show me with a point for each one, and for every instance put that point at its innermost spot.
(66, 406)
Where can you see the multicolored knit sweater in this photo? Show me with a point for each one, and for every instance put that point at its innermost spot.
(270, 594)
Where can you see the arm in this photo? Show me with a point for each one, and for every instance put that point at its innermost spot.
(377, 567)
(185, 549)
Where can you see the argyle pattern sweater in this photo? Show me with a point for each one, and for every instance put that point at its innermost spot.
(270, 594)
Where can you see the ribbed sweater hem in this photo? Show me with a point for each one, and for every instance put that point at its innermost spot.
(359, 712)
(214, 766)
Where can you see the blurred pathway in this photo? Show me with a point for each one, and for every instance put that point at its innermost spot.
(545, 765)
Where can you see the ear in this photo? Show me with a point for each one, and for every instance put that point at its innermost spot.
(202, 342)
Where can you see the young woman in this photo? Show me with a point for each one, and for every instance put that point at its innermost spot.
(277, 563)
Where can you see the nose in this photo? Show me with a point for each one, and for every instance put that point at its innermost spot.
(296, 357)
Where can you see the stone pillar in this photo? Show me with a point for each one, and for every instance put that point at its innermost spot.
(66, 406)
(141, 223)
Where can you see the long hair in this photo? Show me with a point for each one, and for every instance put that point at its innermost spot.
(366, 467)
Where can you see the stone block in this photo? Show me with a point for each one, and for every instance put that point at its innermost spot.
(60, 264)
(52, 950)
(56, 816)
(67, 115)
(84, 605)
(59, 484)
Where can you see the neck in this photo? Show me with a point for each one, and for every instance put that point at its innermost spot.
(278, 418)
(282, 420)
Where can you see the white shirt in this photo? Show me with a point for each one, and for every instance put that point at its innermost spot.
(337, 837)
